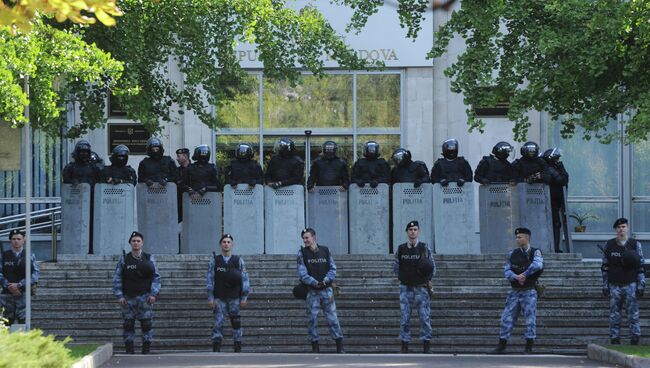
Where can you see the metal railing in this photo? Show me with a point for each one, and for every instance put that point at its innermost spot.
(49, 218)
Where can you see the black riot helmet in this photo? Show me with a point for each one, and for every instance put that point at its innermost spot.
(155, 148)
(529, 150)
(450, 149)
(201, 154)
(401, 157)
(82, 151)
(502, 150)
(244, 151)
(120, 155)
(330, 148)
(552, 155)
(285, 147)
(370, 149)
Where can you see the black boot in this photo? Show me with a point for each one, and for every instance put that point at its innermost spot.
(129, 347)
(339, 346)
(615, 341)
(501, 348)
(529, 346)
(146, 347)
(314, 347)
(216, 346)
(237, 346)
(427, 347)
(405, 347)
(634, 340)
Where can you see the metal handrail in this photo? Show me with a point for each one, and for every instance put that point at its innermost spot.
(34, 214)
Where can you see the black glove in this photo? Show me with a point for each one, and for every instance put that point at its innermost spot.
(639, 292)
(233, 185)
(276, 184)
(460, 182)
(149, 182)
(417, 183)
(202, 191)
(606, 291)
(191, 192)
(444, 182)
(321, 285)
(373, 184)
(360, 184)
(163, 182)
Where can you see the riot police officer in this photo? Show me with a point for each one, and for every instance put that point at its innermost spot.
(228, 288)
(406, 170)
(523, 267)
(183, 159)
(12, 278)
(243, 169)
(559, 180)
(285, 168)
(531, 168)
(496, 168)
(371, 168)
(119, 172)
(201, 176)
(414, 267)
(156, 168)
(623, 281)
(451, 167)
(317, 270)
(136, 284)
(81, 170)
(329, 169)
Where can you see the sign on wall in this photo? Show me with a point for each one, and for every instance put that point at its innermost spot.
(10, 147)
(133, 136)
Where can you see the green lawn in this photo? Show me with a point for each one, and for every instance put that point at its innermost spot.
(642, 351)
(79, 351)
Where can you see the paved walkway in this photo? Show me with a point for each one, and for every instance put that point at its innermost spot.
(205, 360)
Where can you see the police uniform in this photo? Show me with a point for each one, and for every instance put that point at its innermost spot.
(228, 285)
(318, 268)
(180, 175)
(135, 279)
(12, 271)
(522, 298)
(413, 289)
(623, 282)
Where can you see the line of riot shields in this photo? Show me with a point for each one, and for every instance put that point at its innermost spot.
(362, 220)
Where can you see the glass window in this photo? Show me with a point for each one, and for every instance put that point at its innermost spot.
(225, 147)
(313, 102)
(378, 100)
(605, 214)
(641, 187)
(243, 111)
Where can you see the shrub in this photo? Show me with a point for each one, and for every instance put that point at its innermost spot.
(32, 349)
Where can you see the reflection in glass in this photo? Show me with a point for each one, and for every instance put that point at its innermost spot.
(641, 217)
(243, 111)
(378, 100)
(640, 172)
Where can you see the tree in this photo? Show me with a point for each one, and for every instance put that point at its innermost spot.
(584, 62)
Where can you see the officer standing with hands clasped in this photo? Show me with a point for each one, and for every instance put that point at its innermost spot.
(12, 278)
(316, 269)
(414, 266)
(623, 281)
(228, 289)
(136, 284)
(523, 267)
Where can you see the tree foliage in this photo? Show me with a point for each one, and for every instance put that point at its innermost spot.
(584, 62)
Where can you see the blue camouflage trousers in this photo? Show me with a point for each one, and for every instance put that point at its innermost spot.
(418, 297)
(324, 298)
(623, 296)
(14, 307)
(519, 300)
(137, 308)
(225, 307)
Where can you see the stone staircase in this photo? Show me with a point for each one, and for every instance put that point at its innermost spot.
(74, 299)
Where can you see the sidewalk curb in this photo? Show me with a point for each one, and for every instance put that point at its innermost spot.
(95, 359)
(601, 354)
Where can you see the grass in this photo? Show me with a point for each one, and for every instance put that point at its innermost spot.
(642, 351)
(79, 351)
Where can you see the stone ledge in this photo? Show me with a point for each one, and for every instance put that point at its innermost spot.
(602, 354)
(97, 358)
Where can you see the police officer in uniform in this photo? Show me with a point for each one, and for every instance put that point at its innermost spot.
(243, 169)
(317, 270)
(559, 181)
(81, 170)
(285, 168)
(451, 167)
(371, 168)
(156, 168)
(623, 281)
(228, 289)
(136, 284)
(183, 159)
(523, 267)
(531, 168)
(201, 176)
(119, 172)
(406, 170)
(329, 169)
(414, 267)
(496, 168)
(12, 278)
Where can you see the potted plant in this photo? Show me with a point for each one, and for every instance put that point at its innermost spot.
(581, 218)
